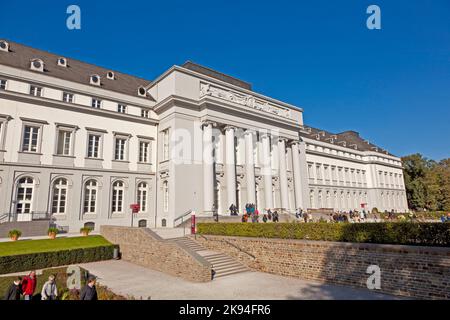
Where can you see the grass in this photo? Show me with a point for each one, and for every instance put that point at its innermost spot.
(104, 293)
(49, 245)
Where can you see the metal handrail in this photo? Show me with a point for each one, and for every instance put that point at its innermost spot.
(4, 218)
(182, 218)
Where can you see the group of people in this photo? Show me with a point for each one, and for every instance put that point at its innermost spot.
(252, 214)
(445, 218)
(351, 216)
(25, 287)
(303, 215)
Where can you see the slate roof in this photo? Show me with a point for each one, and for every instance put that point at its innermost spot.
(346, 139)
(217, 75)
(20, 56)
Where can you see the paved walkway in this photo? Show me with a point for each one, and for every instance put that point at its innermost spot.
(129, 279)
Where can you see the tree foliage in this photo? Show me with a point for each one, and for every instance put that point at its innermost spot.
(427, 183)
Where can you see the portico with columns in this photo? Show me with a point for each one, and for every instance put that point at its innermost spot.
(232, 175)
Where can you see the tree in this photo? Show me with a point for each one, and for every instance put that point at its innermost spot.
(427, 183)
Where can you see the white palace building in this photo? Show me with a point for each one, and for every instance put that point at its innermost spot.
(82, 143)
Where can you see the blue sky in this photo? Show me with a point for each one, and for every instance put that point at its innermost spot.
(391, 85)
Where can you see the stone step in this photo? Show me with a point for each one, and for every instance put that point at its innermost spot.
(222, 260)
(222, 264)
(229, 268)
(229, 273)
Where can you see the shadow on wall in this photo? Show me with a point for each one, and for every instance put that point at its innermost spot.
(403, 270)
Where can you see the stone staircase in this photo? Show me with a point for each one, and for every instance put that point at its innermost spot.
(222, 264)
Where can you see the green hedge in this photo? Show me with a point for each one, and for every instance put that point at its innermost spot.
(41, 260)
(428, 234)
(429, 215)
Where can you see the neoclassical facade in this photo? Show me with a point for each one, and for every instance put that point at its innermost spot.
(82, 143)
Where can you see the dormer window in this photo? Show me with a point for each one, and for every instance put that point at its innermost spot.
(142, 92)
(37, 65)
(95, 80)
(62, 62)
(4, 46)
(110, 75)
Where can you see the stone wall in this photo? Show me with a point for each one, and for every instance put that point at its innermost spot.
(144, 247)
(411, 271)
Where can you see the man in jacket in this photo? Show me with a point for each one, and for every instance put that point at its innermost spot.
(14, 290)
(49, 289)
(89, 292)
(29, 285)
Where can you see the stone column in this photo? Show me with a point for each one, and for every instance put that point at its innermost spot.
(250, 167)
(230, 166)
(283, 173)
(208, 168)
(267, 170)
(297, 175)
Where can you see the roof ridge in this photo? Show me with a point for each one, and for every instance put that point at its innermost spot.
(73, 59)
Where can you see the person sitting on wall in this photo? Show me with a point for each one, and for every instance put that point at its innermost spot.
(264, 218)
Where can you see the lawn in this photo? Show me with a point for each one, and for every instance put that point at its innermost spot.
(49, 245)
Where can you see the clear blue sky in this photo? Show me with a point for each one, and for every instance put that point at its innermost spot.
(391, 85)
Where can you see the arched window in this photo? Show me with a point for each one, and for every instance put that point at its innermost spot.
(90, 225)
(142, 196)
(59, 199)
(117, 197)
(163, 223)
(90, 196)
(24, 198)
(142, 223)
(166, 196)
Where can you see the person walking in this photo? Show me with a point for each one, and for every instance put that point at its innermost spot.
(14, 290)
(49, 289)
(89, 291)
(29, 285)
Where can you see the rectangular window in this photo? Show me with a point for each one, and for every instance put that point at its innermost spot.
(67, 97)
(310, 171)
(64, 143)
(121, 108)
(166, 144)
(96, 103)
(30, 139)
(319, 171)
(145, 113)
(144, 152)
(94, 146)
(35, 91)
(2, 84)
(119, 153)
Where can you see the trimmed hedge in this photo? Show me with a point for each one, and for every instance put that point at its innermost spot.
(429, 215)
(41, 260)
(407, 233)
